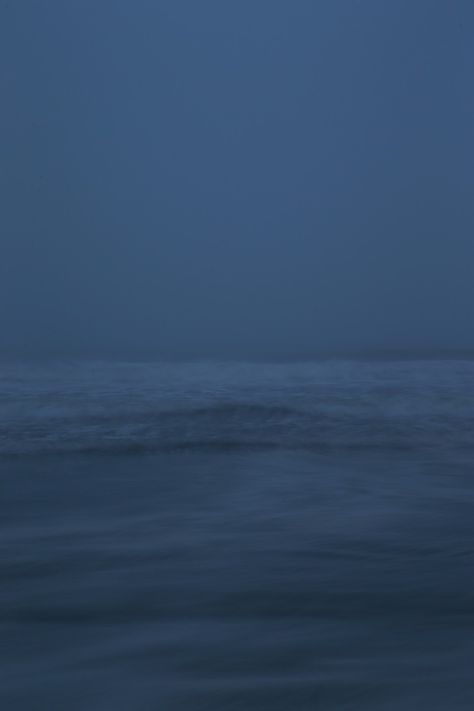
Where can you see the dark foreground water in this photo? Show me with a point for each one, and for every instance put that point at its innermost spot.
(239, 537)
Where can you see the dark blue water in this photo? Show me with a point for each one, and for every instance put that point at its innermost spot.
(237, 536)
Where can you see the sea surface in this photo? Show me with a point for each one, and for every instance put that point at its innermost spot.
(242, 537)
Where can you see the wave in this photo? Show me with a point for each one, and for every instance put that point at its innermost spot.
(143, 448)
(332, 408)
(235, 428)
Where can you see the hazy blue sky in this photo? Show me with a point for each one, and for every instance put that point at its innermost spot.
(243, 178)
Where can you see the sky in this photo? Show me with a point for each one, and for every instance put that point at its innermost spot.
(236, 178)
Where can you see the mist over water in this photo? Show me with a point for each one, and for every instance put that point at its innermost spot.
(200, 202)
(242, 180)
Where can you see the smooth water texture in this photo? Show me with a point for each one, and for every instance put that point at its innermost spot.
(236, 536)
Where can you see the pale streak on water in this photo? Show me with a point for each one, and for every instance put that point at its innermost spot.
(236, 536)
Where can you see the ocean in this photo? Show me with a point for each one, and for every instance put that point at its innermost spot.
(232, 536)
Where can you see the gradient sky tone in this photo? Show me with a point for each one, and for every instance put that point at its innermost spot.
(236, 178)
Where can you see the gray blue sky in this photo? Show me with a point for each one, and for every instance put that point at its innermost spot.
(236, 178)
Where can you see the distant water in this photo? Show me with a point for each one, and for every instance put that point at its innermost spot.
(236, 536)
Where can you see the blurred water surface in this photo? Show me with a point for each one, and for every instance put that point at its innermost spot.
(236, 536)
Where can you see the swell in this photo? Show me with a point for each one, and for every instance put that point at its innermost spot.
(233, 426)
(223, 446)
